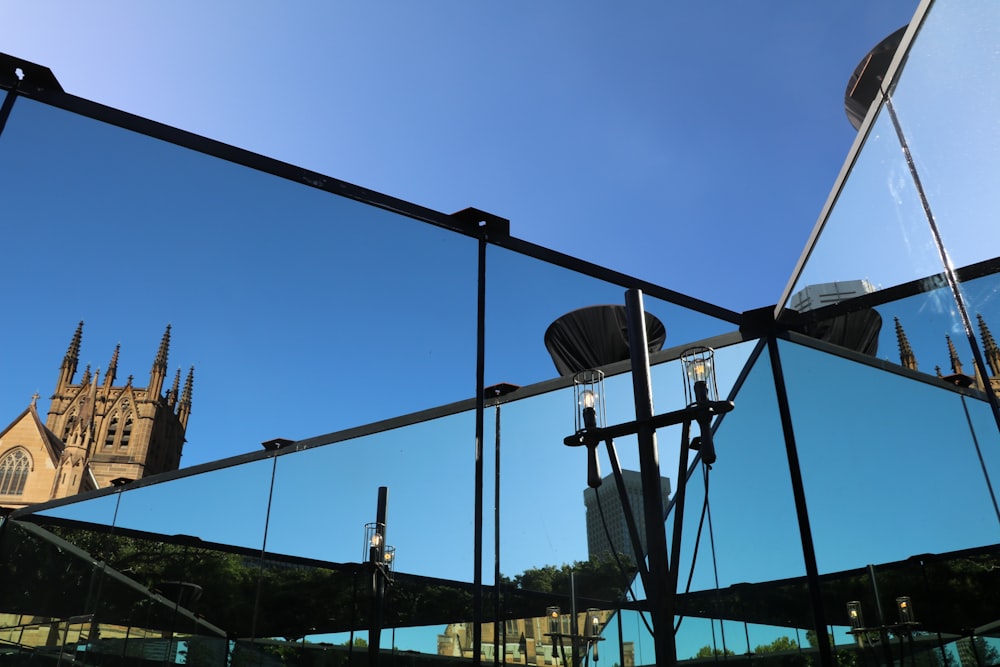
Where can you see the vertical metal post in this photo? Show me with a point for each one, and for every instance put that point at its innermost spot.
(801, 512)
(660, 597)
(574, 639)
(378, 578)
(477, 582)
(883, 633)
(499, 627)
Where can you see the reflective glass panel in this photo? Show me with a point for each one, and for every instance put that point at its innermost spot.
(100, 510)
(946, 101)
(525, 296)
(888, 463)
(876, 236)
(298, 308)
(746, 532)
(325, 496)
(225, 506)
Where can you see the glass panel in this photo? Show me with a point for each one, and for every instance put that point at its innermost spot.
(868, 441)
(946, 102)
(542, 519)
(876, 235)
(296, 305)
(46, 591)
(324, 497)
(983, 430)
(525, 296)
(924, 332)
(99, 510)
(225, 506)
(740, 543)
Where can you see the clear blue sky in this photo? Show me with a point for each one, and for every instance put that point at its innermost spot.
(620, 134)
(614, 132)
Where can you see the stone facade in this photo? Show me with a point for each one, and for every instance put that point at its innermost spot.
(96, 432)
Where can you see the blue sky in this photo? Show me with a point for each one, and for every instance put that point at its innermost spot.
(612, 132)
(628, 136)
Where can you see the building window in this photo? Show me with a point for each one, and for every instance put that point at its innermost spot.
(14, 473)
(109, 439)
(126, 432)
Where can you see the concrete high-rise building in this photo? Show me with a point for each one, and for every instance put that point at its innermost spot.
(615, 539)
(96, 431)
(825, 294)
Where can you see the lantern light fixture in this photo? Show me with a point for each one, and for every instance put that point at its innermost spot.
(588, 393)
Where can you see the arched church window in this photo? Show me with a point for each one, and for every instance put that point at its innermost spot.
(126, 432)
(109, 439)
(14, 469)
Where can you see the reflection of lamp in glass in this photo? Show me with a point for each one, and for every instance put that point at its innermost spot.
(700, 389)
(553, 614)
(374, 542)
(588, 390)
(854, 616)
(593, 630)
(905, 606)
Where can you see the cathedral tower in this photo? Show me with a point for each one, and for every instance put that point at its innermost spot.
(113, 431)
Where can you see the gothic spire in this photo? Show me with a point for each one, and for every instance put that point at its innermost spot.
(68, 368)
(906, 357)
(161, 354)
(956, 365)
(989, 346)
(184, 407)
(86, 376)
(109, 377)
(172, 393)
(159, 370)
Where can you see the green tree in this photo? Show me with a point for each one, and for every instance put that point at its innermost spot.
(709, 652)
(599, 578)
(782, 643)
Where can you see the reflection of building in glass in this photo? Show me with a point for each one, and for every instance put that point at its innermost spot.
(991, 355)
(95, 431)
(525, 640)
(615, 539)
(825, 294)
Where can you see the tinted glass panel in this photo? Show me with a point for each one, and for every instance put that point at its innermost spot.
(100, 510)
(324, 497)
(227, 506)
(745, 532)
(873, 444)
(946, 102)
(876, 232)
(525, 296)
(297, 307)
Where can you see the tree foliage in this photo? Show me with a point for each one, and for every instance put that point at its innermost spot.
(599, 578)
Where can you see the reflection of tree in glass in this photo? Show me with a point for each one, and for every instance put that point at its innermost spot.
(599, 578)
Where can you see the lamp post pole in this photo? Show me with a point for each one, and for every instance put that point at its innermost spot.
(376, 559)
(702, 405)
(661, 598)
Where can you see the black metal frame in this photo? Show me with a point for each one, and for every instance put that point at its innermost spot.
(38, 83)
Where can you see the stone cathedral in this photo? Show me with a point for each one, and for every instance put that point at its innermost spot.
(991, 356)
(97, 433)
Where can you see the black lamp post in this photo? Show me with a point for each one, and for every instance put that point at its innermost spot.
(580, 642)
(379, 559)
(660, 579)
